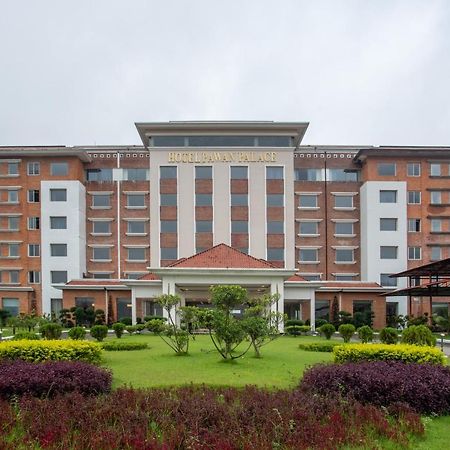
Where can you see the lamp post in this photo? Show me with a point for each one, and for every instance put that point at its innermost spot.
(442, 341)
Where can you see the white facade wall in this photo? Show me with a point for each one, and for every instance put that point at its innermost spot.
(74, 236)
(372, 210)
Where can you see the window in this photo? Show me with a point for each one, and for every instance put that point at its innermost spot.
(56, 306)
(414, 225)
(203, 172)
(387, 169)
(203, 199)
(413, 169)
(13, 223)
(99, 175)
(388, 224)
(34, 250)
(414, 253)
(343, 201)
(58, 249)
(13, 196)
(274, 173)
(308, 175)
(308, 255)
(239, 226)
(137, 226)
(342, 175)
(101, 253)
(275, 254)
(344, 277)
(436, 225)
(275, 200)
(58, 276)
(239, 199)
(239, 173)
(414, 197)
(345, 255)
(136, 254)
(13, 168)
(308, 228)
(275, 227)
(58, 195)
(58, 223)
(59, 169)
(307, 201)
(274, 141)
(435, 253)
(435, 197)
(343, 228)
(388, 196)
(386, 281)
(137, 200)
(168, 199)
(9, 276)
(435, 170)
(101, 275)
(167, 141)
(101, 227)
(169, 226)
(203, 226)
(33, 168)
(168, 253)
(11, 305)
(136, 174)
(33, 196)
(388, 252)
(34, 276)
(13, 250)
(243, 250)
(134, 275)
(101, 201)
(167, 172)
(33, 223)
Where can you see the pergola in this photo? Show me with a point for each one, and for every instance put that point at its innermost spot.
(437, 285)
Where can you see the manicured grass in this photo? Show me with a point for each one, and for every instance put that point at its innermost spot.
(281, 366)
(436, 434)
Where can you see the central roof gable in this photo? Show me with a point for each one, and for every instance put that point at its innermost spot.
(222, 256)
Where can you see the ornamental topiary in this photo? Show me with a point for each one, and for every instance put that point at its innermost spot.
(389, 335)
(121, 346)
(293, 322)
(418, 335)
(118, 328)
(365, 333)
(26, 335)
(77, 333)
(51, 330)
(346, 330)
(99, 332)
(296, 330)
(327, 330)
(318, 346)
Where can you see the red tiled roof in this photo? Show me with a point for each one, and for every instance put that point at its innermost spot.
(222, 256)
(296, 278)
(149, 276)
(94, 282)
(350, 284)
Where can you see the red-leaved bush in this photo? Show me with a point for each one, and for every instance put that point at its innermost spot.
(201, 418)
(51, 378)
(424, 387)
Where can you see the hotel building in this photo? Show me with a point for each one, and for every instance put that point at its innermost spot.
(202, 203)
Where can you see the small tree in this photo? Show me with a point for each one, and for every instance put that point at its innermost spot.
(99, 332)
(118, 328)
(365, 333)
(4, 314)
(334, 313)
(327, 330)
(77, 333)
(388, 335)
(175, 337)
(51, 330)
(346, 330)
(418, 335)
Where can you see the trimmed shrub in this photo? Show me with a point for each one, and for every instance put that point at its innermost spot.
(26, 335)
(387, 352)
(327, 330)
(365, 333)
(156, 326)
(140, 327)
(424, 387)
(77, 333)
(120, 346)
(346, 330)
(50, 378)
(99, 332)
(418, 335)
(297, 330)
(126, 320)
(319, 346)
(320, 322)
(389, 335)
(293, 322)
(148, 318)
(36, 351)
(118, 328)
(51, 330)
(131, 329)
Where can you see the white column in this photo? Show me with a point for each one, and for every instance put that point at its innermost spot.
(313, 310)
(277, 287)
(133, 306)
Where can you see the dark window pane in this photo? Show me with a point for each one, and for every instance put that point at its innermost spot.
(167, 172)
(221, 141)
(274, 141)
(239, 173)
(274, 173)
(168, 199)
(168, 253)
(275, 254)
(167, 141)
(239, 199)
(203, 226)
(275, 227)
(239, 226)
(203, 199)
(275, 199)
(168, 226)
(203, 173)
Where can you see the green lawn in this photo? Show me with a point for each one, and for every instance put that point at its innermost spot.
(281, 366)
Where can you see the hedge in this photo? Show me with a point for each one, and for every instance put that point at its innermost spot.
(47, 379)
(388, 352)
(43, 350)
(319, 346)
(119, 346)
(424, 387)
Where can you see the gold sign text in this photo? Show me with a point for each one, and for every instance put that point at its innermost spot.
(221, 157)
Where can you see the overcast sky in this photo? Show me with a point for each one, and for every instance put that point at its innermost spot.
(361, 72)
